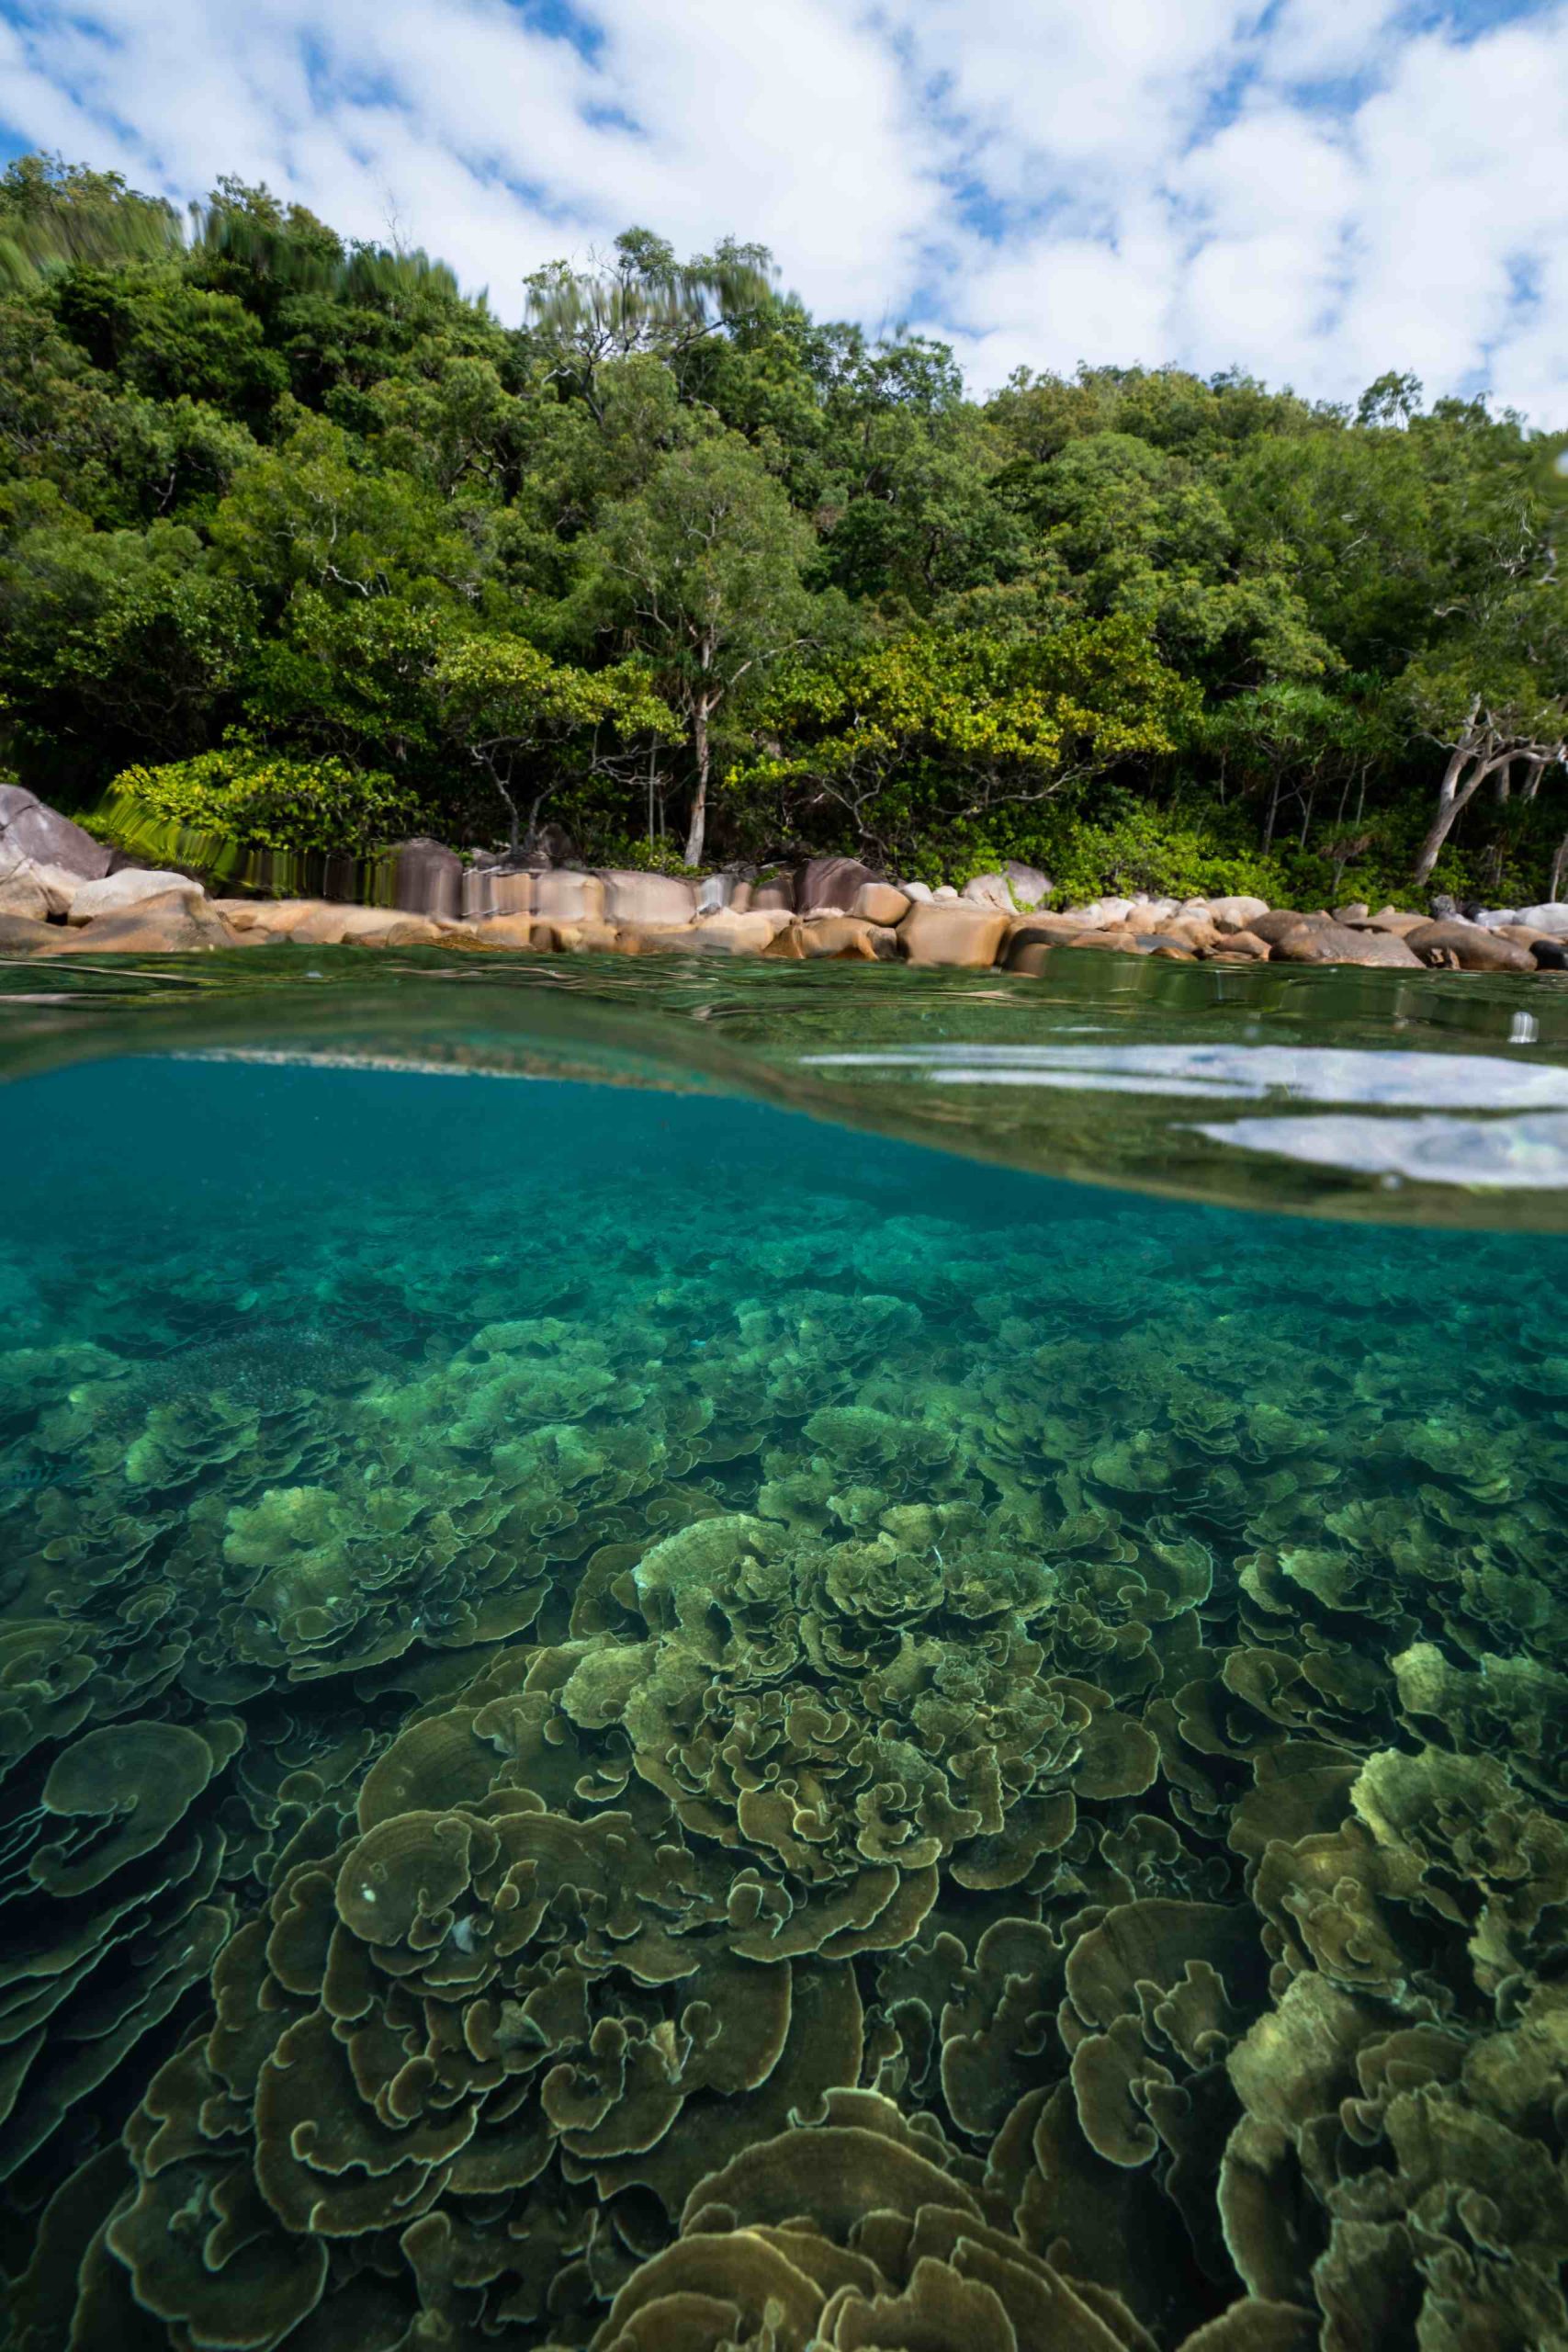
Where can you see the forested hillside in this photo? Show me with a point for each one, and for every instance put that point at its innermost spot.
(300, 543)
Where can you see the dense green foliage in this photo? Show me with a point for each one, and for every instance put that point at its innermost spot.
(241, 794)
(680, 570)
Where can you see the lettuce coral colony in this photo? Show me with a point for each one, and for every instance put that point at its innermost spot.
(961, 1784)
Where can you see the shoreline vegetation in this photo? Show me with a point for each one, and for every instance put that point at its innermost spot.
(303, 550)
(61, 893)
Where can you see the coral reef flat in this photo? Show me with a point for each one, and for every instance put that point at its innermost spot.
(644, 1724)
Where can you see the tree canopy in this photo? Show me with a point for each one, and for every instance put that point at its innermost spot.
(686, 572)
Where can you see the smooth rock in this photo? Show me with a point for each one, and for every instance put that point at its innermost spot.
(1548, 918)
(1395, 920)
(989, 890)
(1117, 939)
(740, 934)
(489, 890)
(561, 894)
(1274, 925)
(879, 902)
(326, 927)
(1030, 888)
(1236, 913)
(919, 893)
(22, 894)
(30, 829)
(739, 900)
(114, 894)
(829, 883)
(951, 934)
(714, 893)
(427, 878)
(847, 939)
(1032, 939)
(1240, 947)
(410, 931)
(1358, 913)
(511, 931)
(1470, 948)
(21, 932)
(944, 895)
(1194, 932)
(1549, 955)
(1101, 914)
(1334, 943)
(178, 923)
(773, 890)
(631, 896)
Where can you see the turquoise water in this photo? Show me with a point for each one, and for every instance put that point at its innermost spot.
(633, 1718)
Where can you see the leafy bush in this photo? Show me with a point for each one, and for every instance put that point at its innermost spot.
(244, 793)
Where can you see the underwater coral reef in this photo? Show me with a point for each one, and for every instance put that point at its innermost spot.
(961, 1774)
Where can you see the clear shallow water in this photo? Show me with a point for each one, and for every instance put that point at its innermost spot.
(575, 1654)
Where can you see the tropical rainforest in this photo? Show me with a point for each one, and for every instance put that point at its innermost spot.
(301, 544)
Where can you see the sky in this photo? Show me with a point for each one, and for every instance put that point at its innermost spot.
(1313, 191)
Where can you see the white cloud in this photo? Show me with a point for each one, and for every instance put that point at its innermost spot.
(1310, 188)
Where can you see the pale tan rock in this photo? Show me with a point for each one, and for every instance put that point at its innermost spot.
(879, 902)
(408, 931)
(847, 939)
(40, 891)
(1334, 943)
(21, 894)
(949, 933)
(665, 900)
(21, 934)
(1239, 947)
(488, 891)
(743, 933)
(563, 896)
(1195, 933)
(1470, 947)
(133, 885)
(1358, 913)
(989, 890)
(508, 931)
(1237, 912)
(276, 917)
(1119, 940)
(785, 947)
(323, 927)
(175, 925)
(739, 900)
(1392, 918)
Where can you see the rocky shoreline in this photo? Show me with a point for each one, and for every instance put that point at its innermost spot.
(63, 893)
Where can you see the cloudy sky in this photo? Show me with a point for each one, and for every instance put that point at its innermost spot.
(1314, 190)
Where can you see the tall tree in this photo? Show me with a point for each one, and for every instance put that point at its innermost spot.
(700, 572)
(515, 715)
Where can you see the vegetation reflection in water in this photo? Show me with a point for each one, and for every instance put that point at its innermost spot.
(633, 1720)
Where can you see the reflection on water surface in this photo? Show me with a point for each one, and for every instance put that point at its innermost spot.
(631, 1718)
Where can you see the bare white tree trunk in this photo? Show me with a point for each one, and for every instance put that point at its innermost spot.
(1462, 780)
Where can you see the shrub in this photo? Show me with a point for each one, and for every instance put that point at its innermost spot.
(252, 797)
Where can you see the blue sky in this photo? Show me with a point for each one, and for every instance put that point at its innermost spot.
(1315, 190)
